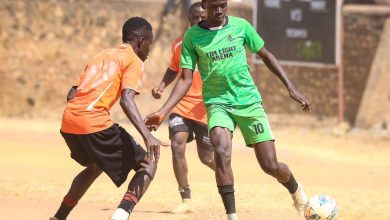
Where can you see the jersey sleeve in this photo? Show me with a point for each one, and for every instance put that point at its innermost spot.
(175, 58)
(252, 39)
(132, 75)
(188, 56)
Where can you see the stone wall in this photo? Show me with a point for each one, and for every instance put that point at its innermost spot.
(44, 44)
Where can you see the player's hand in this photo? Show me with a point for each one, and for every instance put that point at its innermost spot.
(157, 93)
(153, 148)
(297, 96)
(154, 120)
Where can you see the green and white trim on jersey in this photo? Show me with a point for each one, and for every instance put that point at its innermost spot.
(222, 62)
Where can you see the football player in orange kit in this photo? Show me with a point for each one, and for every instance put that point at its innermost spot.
(94, 140)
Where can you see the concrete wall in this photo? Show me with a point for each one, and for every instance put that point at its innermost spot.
(44, 44)
(363, 30)
(374, 107)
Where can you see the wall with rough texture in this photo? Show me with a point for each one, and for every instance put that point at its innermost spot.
(363, 30)
(375, 104)
(44, 44)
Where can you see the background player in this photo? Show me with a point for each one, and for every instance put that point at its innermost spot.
(94, 140)
(217, 44)
(187, 119)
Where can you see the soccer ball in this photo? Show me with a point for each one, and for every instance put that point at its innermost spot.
(320, 207)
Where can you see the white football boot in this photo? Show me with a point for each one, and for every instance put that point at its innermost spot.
(120, 214)
(184, 208)
(300, 199)
(232, 216)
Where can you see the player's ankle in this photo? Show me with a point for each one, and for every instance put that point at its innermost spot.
(128, 202)
(291, 185)
(66, 207)
(185, 192)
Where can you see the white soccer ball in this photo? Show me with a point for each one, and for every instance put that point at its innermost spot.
(321, 207)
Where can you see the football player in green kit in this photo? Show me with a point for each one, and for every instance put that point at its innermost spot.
(217, 44)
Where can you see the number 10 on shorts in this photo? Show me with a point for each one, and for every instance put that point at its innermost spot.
(258, 128)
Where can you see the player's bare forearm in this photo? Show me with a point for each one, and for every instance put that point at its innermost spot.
(71, 93)
(183, 84)
(169, 77)
(273, 65)
(130, 109)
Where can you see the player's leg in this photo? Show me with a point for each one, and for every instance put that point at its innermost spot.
(179, 162)
(206, 156)
(80, 185)
(82, 181)
(257, 133)
(203, 145)
(266, 156)
(179, 133)
(221, 139)
(131, 156)
(136, 189)
(221, 126)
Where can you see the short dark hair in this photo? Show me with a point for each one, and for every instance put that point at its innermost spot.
(202, 4)
(193, 6)
(135, 27)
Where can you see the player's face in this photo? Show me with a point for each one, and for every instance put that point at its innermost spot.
(145, 44)
(197, 14)
(216, 10)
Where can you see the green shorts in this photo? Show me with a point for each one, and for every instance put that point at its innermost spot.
(251, 119)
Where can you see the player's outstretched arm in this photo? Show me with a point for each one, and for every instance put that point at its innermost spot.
(130, 109)
(183, 84)
(168, 78)
(71, 93)
(273, 65)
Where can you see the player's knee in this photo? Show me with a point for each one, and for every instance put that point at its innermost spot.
(270, 168)
(178, 149)
(222, 154)
(149, 168)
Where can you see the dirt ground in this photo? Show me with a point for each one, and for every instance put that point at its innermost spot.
(354, 168)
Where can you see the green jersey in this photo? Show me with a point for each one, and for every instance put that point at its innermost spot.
(221, 59)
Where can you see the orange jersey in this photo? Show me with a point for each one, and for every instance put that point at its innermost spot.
(99, 87)
(191, 106)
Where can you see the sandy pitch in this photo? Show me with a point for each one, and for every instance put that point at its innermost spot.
(36, 171)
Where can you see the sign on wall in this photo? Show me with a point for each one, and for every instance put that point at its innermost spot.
(303, 32)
